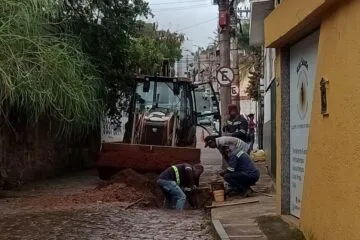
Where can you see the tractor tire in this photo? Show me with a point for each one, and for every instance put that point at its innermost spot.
(191, 139)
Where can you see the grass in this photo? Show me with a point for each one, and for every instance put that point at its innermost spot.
(42, 73)
(277, 229)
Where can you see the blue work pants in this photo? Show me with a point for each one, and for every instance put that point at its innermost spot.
(173, 193)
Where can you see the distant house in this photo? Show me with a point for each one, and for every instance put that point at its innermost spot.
(184, 66)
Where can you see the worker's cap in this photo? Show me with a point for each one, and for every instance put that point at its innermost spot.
(209, 139)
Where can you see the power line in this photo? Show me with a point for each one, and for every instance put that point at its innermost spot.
(165, 3)
(197, 24)
(182, 8)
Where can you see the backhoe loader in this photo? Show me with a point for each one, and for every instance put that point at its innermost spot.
(161, 127)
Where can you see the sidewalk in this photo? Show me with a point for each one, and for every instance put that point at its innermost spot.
(239, 221)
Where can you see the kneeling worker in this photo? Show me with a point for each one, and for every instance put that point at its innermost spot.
(177, 179)
(241, 173)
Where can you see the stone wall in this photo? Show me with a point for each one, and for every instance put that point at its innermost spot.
(267, 144)
(37, 154)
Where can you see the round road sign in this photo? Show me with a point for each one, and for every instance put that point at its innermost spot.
(225, 76)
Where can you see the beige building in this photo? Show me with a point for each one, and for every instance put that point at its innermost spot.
(207, 64)
(246, 104)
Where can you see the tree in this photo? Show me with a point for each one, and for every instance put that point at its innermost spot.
(43, 75)
(107, 29)
(244, 35)
(119, 44)
(152, 46)
(252, 61)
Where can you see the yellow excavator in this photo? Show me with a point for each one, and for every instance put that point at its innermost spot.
(161, 127)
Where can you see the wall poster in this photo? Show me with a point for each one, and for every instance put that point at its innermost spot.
(303, 57)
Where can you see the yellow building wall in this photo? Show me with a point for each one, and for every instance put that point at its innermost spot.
(277, 31)
(331, 196)
(278, 130)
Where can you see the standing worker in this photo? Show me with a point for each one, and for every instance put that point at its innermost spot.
(236, 125)
(177, 179)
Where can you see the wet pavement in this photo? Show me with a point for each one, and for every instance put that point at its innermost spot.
(99, 220)
(106, 222)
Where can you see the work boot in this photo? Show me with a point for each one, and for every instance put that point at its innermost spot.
(248, 192)
(228, 191)
(232, 191)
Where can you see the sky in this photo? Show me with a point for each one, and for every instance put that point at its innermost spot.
(197, 19)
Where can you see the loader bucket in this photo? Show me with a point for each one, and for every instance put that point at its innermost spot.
(142, 158)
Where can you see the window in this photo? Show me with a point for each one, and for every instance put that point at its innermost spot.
(160, 97)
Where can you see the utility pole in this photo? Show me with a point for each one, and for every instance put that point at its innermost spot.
(234, 53)
(224, 45)
(199, 70)
(234, 45)
(187, 66)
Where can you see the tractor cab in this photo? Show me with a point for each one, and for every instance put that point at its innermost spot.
(207, 109)
(163, 115)
(167, 110)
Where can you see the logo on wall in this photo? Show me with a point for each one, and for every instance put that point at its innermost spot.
(302, 87)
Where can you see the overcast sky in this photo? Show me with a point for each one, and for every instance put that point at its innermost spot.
(197, 19)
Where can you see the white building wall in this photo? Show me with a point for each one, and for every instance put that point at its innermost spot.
(267, 106)
(269, 76)
(248, 106)
(180, 66)
(269, 66)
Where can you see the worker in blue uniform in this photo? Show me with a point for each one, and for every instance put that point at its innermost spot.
(241, 173)
(236, 125)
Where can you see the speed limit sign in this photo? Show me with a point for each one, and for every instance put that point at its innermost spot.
(234, 90)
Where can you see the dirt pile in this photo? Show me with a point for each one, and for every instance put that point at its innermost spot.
(126, 186)
(143, 186)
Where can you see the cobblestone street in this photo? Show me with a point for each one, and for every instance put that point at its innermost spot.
(106, 221)
(33, 213)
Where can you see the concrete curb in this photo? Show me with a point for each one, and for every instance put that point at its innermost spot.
(219, 230)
